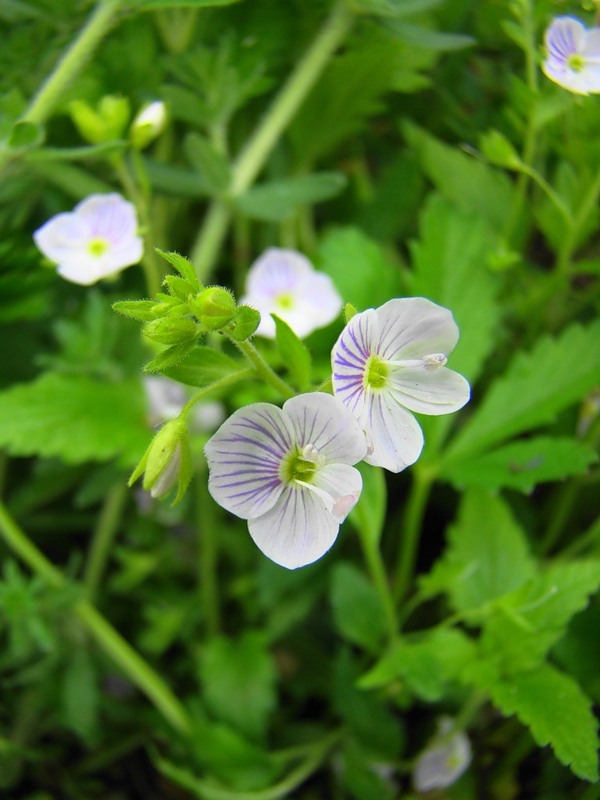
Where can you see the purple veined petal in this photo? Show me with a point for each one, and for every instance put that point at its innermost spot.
(108, 216)
(433, 392)
(343, 484)
(396, 437)
(565, 37)
(349, 358)
(297, 530)
(411, 327)
(244, 457)
(323, 421)
(277, 271)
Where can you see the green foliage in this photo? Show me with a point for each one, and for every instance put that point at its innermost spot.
(357, 608)
(294, 353)
(202, 366)
(368, 516)
(278, 200)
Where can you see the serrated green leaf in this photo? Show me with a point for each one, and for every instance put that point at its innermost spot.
(294, 353)
(536, 386)
(74, 418)
(558, 713)
(211, 163)
(183, 266)
(368, 515)
(522, 465)
(238, 680)
(449, 263)
(357, 608)
(170, 357)
(358, 267)
(202, 366)
(487, 554)
(419, 36)
(426, 666)
(461, 179)
(278, 200)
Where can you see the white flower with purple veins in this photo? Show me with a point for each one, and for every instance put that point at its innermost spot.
(95, 240)
(288, 472)
(284, 282)
(573, 55)
(389, 362)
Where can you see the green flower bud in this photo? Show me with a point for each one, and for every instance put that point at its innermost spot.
(214, 307)
(349, 312)
(105, 123)
(170, 330)
(167, 461)
(246, 321)
(148, 124)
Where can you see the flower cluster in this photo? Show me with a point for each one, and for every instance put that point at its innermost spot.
(573, 55)
(289, 471)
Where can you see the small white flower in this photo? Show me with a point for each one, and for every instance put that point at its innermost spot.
(284, 282)
(573, 55)
(288, 472)
(166, 399)
(388, 362)
(445, 759)
(96, 239)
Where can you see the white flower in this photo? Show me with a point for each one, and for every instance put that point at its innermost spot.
(96, 239)
(148, 124)
(287, 471)
(284, 282)
(444, 760)
(389, 361)
(166, 399)
(573, 55)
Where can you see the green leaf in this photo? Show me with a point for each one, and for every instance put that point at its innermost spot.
(74, 418)
(368, 515)
(498, 150)
(176, 181)
(142, 310)
(487, 554)
(211, 163)
(394, 8)
(26, 135)
(522, 465)
(449, 261)
(558, 713)
(183, 266)
(294, 353)
(358, 267)
(461, 179)
(357, 608)
(77, 153)
(419, 36)
(170, 357)
(536, 386)
(426, 666)
(277, 200)
(202, 366)
(238, 679)
(154, 5)
(80, 694)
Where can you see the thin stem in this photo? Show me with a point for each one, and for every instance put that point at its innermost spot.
(379, 577)
(102, 539)
(264, 370)
(208, 547)
(223, 383)
(139, 672)
(411, 533)
(70, 65)
(254, 156)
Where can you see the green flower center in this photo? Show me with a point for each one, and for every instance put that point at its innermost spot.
(285, 301)
(97, 247)
(376, 373)
(298, 468)
(575, 62)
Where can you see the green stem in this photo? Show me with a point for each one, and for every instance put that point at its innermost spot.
(379, 577)
(208, 546)
(411, 533)
(264, 370)
(139, 672)
(223, 383)
(102, 539)
(254, 156)
(70, 65)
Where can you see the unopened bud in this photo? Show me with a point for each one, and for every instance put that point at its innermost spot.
(105, 123)
(148, 124)
(166, 462)
(170, 330)
(214, 307)
(247, 320)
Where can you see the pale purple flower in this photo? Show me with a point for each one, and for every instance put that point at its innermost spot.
(573, 55)
(389, 362)
(445, 759)
(284, 282)
(95, 240)
(288, 472)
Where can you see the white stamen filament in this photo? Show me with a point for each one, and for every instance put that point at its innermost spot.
(430, 361)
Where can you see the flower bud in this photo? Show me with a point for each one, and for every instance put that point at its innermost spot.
(246, 320)
(170, 330)
(148, 124)
(166, 462)
(214, 307)
(444, 760)
(105, 123)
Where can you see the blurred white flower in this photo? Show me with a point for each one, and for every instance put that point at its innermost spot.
(573, 55)
(148, 124)
(166, 399)
(95, 240)
(444, 760)
(284, 282)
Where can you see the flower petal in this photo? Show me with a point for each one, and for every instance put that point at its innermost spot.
(108, 216)
(349, 358)
(244, 457)
(343, 484)
(412, 327)
(434, 392)
(323, 421)
(297, 530)
(396, 437)
(61, 237)
(277, 271)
